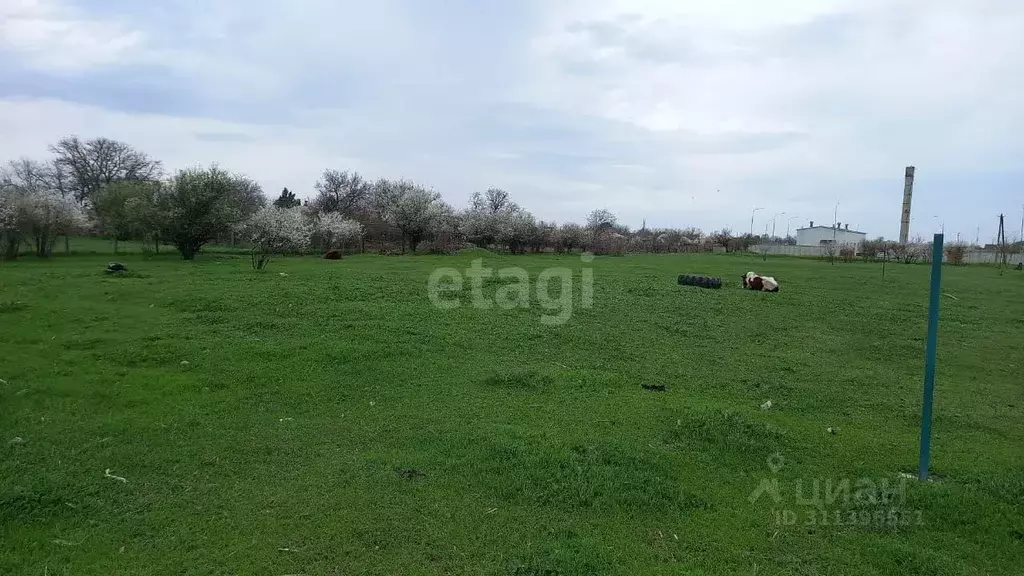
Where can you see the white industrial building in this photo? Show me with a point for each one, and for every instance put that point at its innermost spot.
(819, 235)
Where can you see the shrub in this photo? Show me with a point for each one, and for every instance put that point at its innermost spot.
(955, 254)
(197, 206)
(828, 251)
(721, 238)
(274, 231)
(569, 237)
(443, 243)
(609, 243)
(847, 253)
(332, 230)
(870, 249)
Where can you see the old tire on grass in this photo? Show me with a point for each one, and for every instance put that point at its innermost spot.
(701, 281)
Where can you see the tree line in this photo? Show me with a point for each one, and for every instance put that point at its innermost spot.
(108, 188)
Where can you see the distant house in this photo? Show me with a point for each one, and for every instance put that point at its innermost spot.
(819, 235)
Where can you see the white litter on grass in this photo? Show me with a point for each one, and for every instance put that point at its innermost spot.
(282, 273)
(830, 430)
(17, 440)
(767, 405)
(107, 474)
(285, 420)
(184, 362)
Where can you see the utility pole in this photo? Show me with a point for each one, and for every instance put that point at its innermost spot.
(752, 220)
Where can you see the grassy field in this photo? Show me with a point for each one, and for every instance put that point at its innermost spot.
(324, 418)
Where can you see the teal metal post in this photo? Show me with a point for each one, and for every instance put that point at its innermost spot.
(929, 358)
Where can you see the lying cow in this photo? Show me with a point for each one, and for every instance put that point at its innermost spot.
(756, 282)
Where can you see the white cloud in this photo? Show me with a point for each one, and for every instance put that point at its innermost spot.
(54, 37)
(829, 69)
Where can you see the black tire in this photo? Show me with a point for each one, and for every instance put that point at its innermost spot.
(712, 282)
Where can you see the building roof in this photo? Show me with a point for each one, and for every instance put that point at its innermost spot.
(832, 228)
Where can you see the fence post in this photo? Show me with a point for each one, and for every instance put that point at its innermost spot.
(929, 358)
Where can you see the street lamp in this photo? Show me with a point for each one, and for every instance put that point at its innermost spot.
(752, 219)
(791, 218)
(835, 224)
(773, 222)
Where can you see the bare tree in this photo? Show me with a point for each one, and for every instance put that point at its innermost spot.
(829, 251)
(600, 220)
(94, 163)
(721, 238)
(342, 192)
(494, 200)
(955, 253)
(28, 173)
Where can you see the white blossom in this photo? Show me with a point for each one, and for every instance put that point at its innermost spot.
(515, 228)
(36, 213)
(275, 230)
(336, 230)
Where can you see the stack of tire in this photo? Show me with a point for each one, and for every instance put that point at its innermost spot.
(701, 281)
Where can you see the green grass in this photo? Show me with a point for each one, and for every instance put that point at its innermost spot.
(331, 421)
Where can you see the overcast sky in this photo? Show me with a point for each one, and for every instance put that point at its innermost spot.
(682, 112)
